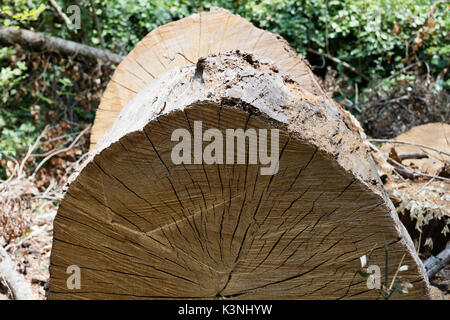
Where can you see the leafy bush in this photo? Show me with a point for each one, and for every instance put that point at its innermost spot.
(375, 36)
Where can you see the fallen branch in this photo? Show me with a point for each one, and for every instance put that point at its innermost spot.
(413, 155)
(20, 288)
(345, 64)
(404, 172)
(434, 264)
(411, 144)
(428, 183)
(35, 39)
(397, 165)
(60, 12)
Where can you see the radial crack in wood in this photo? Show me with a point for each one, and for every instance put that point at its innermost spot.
(139, 225)
(183, 42)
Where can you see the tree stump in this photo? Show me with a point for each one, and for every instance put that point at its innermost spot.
(140, 225)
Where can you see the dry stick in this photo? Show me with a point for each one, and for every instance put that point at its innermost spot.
(393, 168)
(59, 138)
(420, 173)
(20, 288)
(40, 155)
(404, 167)
(345, 64)
(403, 171)
(5, 182)
(60, 12)
(400, 71)
(434, 264)
(418, 244)
(410, 143)
(428, 183)
(61, 150)
(396, 273)
(413, 155)
(42, 41)
(97, 25)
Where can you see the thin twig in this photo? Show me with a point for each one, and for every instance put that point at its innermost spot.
(61, 150)
(400, 71)
(410, 143)
(418, 244)
(345, 64)
(403, 166)
(428, 183)
(396, 272)
(30, 150)
(413, 155)
(97, 25)
(61, 13)
(40, 155)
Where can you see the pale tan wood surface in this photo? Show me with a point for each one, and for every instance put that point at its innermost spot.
(141, 227)
(181, 43)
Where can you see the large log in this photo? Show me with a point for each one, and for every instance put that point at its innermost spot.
(183, 42)
(140, 225)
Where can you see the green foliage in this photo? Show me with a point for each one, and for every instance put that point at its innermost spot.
(385, 290)
(377, 37)
(14, 134)
(19, 12)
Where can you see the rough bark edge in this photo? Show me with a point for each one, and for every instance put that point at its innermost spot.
(20, 288)
(434, 264)
(39, 40)
(314, 110)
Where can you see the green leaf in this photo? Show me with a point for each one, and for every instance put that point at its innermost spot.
(362, 273)
(398, 286)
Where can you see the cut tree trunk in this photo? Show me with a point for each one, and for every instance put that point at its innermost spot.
(139, 225)
(183, 42)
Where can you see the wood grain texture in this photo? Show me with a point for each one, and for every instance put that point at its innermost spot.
(182, 42)
(141, 227)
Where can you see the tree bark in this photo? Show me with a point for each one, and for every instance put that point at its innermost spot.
(45, 42)
(434, 264)
(20, 288)
(140, 225)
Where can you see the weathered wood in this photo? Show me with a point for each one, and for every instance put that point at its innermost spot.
(140, 226)
(434, 264)
(45, 42)
(181, 43)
